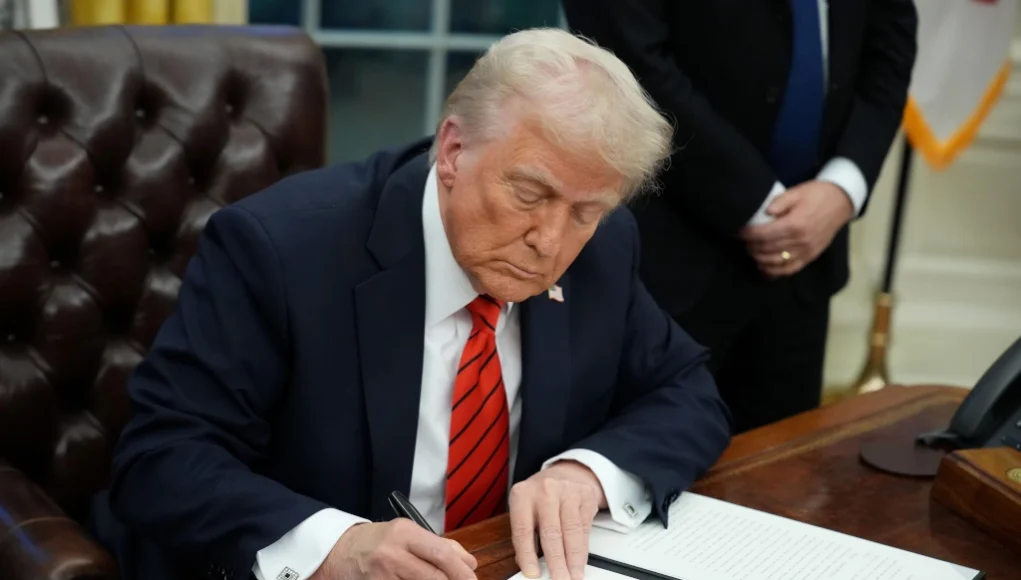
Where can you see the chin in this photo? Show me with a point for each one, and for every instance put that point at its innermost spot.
(510, 289)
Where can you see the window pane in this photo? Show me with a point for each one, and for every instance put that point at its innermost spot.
(274, 12)
(376, 14)
(503, 16)
(377, 100)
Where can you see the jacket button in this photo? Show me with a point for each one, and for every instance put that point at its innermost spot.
(772, 95)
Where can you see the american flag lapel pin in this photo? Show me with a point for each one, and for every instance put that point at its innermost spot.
(556, 293)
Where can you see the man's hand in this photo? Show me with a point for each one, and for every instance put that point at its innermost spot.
(396, 550)
(560, 502)
(807, 218)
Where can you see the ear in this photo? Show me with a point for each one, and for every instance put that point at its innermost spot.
(450, 145)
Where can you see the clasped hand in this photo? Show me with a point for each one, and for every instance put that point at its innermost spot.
(807, 217)
(559, 502)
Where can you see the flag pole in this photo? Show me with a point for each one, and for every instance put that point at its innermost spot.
(874, 374)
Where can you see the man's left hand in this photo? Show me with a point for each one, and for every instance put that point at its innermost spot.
(807, 217)
(560, 502)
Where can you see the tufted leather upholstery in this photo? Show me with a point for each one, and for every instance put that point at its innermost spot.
(116, 145)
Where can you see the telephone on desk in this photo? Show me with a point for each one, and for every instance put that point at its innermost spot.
(975, 459)
(990, 416)
(979, 478)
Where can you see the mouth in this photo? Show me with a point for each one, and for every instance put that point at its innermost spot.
(520, 272)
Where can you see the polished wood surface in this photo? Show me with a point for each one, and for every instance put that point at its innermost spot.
(983, 486)
(807, 468)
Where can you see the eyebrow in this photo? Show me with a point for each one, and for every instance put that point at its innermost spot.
(530, 174)
(609, 199)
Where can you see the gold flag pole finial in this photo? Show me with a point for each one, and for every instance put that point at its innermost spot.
(874, 375)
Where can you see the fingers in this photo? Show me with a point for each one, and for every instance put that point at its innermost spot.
(522, 517)
(775, 246)
(589, 510)
(784, 203)
(464, 554)
(563, 511)
(575, 527)
(783, 227)
(792, 223)
(407, 566)
(440, 554)
(788, 268)
(771, 260)
(552, 537)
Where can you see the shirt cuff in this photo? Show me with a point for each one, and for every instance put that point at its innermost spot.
(302, 550)
(761, 217)
(846, 175)
(625, 493)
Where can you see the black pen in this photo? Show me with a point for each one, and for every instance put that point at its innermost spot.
(405, 509)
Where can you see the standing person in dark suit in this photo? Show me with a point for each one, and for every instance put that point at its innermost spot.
(460, 319)
(785, 111)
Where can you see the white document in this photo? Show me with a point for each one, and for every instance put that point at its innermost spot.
(591, 573)
(709, 539)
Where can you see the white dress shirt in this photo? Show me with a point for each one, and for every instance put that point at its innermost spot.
(839, 171)
(448, 291)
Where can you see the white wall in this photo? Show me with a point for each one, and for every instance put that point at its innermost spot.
(958, 283)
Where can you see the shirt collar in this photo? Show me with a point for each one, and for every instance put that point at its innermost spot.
(448, 288)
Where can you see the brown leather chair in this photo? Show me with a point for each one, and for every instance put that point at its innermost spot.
(116, 145)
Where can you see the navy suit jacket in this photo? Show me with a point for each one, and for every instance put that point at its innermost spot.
(288, 378)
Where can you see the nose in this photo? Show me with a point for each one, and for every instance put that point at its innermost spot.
(548, 230)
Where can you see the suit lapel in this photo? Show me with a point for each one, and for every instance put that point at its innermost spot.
(391, 321)
(545, 379)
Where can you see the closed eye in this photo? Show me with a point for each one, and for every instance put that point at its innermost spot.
(528, 196)
(588, 214)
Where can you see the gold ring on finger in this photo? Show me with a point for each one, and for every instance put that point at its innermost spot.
(785, 256)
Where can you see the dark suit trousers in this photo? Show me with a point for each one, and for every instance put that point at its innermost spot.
(767, 343)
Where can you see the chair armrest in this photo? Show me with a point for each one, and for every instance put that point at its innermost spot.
(39, 542)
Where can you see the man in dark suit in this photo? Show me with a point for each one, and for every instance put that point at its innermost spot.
(785, 111)
(460, 320)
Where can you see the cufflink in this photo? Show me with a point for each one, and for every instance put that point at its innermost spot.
(288, 574)
(630, 510)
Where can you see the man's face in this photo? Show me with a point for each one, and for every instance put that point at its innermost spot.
(517, 209)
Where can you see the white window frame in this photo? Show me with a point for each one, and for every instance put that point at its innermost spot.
(438, 41)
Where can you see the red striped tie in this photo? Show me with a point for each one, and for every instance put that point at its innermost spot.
(479, 424)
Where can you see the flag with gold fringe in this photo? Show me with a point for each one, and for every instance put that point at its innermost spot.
(962, 66)
(92, 12)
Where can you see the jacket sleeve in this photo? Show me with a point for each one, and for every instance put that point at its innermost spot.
(671, 424)
(881, 86)
(202, 403)
(723, 177)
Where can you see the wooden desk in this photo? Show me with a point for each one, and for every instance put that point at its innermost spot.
(807, 468)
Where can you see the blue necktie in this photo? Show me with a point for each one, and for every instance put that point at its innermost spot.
(794, 148)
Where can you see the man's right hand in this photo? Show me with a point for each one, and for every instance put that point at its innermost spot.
(395, 550)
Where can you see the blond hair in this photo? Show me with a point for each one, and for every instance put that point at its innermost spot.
(584, 97)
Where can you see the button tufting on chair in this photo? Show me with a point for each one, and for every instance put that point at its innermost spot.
(116, 149)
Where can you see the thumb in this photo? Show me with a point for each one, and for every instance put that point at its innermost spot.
(784, 203)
